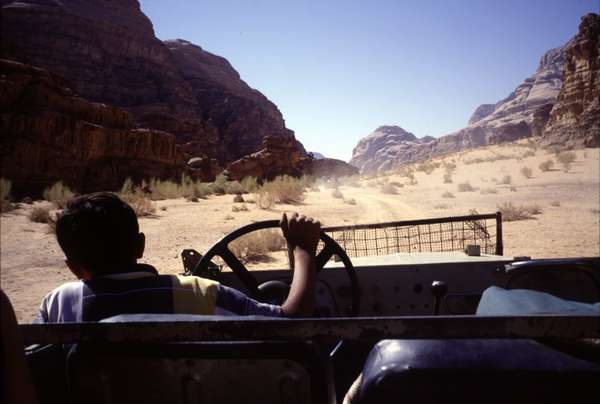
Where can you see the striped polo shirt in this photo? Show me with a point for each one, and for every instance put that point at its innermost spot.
(144, 291)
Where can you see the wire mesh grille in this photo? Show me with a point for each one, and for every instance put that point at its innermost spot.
(431, 235)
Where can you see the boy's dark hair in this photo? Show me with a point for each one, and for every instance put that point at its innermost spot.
(98, 231)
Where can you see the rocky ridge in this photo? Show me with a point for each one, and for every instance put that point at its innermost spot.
(109, 54)
(529, 110)
(50, 133)
(574, 120)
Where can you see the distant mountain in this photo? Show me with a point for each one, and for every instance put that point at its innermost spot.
(316, 155)
(522, 114)
(380, 149)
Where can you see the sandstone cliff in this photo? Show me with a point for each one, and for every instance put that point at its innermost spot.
(520, 115)
(575, 118)
(109, 54)
(51, 134)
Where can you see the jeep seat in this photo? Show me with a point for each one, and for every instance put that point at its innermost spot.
(470, 371)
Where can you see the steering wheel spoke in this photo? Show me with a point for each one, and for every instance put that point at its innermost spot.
(324, 256)
(240, 270)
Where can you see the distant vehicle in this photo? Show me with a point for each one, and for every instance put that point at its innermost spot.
(396, 304)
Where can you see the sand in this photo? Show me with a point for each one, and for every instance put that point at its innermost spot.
(31, 263)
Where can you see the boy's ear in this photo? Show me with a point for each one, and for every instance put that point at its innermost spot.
(141, 245)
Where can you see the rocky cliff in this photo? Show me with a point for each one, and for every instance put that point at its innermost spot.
(520, 115)
(108, 53)
(51, 134)
(574, 119)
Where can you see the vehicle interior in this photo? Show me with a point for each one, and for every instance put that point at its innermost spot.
(398, 319)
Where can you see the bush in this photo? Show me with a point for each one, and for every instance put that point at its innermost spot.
(447, 194)
(5, 187)
(336, 193)
(249, 184)
(465, 187)
(40, 214)
(254, 246)
(547, 165)
(284, 189)
(449, 167)
(512, 213)
(389, 188)
(448, 178)
(427, 167)
(513, 188)
(350, 201)
(566, 158)
(486, 191)
(526, 172)
(264, 200)
(219, 185)
(241, 208)
(141, 205)
(238, 199)
(555, 203)
(59, 194)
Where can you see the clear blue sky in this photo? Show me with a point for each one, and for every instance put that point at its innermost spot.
(339, 69)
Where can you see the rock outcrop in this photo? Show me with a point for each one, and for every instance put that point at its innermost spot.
(109, 54)
(51, 134)
(329, 168)
(520, 115)
(574, 120)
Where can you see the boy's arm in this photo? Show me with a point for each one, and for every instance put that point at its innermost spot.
(302, 234)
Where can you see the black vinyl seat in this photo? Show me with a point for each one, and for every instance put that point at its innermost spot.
(470, 371)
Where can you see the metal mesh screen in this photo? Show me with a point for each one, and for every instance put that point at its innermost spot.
(429, 235)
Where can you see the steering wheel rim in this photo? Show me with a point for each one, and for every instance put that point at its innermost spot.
(330, 248)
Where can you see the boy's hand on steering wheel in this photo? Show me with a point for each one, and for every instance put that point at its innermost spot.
(301, 231)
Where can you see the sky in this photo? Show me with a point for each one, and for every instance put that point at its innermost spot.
(339, 69)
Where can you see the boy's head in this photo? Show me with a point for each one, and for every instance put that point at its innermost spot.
(99, 234)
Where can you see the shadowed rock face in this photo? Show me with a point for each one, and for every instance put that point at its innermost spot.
(51, 134)
(575, 118)
(108, 53)
(522, 114)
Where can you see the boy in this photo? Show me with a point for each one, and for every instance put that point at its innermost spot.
(99, 234)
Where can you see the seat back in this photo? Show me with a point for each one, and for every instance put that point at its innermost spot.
(199, 372)
(570, 279)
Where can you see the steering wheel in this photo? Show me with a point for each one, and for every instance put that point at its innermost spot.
(262, 292)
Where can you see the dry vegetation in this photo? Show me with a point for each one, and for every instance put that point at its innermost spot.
(5, 188)
(526, 172)
(257, 245)
(59, 194)
(465, 187)
(546, 165)
(512, 213)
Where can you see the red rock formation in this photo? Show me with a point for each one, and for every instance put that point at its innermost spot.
(575, 118)
(109, 54)
(50, 134)
(329, 168)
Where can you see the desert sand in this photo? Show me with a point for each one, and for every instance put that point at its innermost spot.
(31, 263)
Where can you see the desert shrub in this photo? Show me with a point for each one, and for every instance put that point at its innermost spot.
(219, 185)
(141, 204)
(566, 158)
(528, 153)
(307, 181)
(389, 188)
(59, 194)
(238, 199)
(5, 188)
(264, 200)
(336, 193)
(427, 167)
(350, 201)
(241, 208)
(513, 188)
(526, 172)
(254, 246)
(397, 184)
(159, 190)
(485, 191)
(449, 167)
(546, 165)
(512, 213)
(448, 178)
(555, 203)
(250, 184)
(506, 180)
(233, 188)
(229, 217)
(284, 189)
(447, 194)
(40, 214)
(465, 187)
(163, 208)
